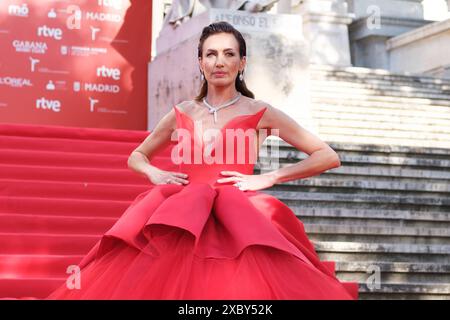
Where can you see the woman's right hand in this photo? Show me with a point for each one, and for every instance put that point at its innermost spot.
(158, 176)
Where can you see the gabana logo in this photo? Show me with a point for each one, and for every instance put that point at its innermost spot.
(15, 82)
(30, 46)
(18, 10)
(47, 32)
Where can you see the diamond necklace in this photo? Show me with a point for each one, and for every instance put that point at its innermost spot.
(226, 104)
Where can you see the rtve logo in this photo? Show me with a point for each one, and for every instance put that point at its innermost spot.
(116, 4)
(105, 72)
(48, 32)
(44, 104)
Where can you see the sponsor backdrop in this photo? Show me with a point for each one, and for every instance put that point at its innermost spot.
(75, 63)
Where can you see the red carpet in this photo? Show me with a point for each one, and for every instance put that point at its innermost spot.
(61, 188)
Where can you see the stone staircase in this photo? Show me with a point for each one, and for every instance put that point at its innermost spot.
(369, 106)
(384, 215)
(385, 210)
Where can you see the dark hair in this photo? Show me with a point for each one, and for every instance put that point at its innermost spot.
(219, 27)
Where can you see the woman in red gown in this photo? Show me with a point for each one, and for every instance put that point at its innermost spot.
(204, 231)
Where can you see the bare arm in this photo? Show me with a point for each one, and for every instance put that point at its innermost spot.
(321, 156)
(160, 138)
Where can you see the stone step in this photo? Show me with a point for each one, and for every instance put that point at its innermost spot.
(441, 100)
(387, 92)
(369, 73)
(392, 272)
(350, 112)
(377, 234)
(358, 119)
(372, 217)
(388, 252)
(433, 82)
(373, 106)
(368, 148)
(442, 138)
(375, 187)
(382, 140)
(349, 157)
(393, 129)
(407, 87)
(410, 291)
(365, 172)
(375, 82)
(360, 200)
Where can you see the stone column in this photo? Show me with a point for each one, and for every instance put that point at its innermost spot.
(377, 21)
(325, 29)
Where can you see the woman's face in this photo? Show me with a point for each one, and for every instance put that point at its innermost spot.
(221, 54)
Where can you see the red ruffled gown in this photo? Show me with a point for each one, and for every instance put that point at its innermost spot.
(205, 240)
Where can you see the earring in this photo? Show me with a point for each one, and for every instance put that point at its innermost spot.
(202, 77)
(241, 75)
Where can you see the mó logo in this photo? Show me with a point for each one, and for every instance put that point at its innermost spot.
(47, 32)
(53, 105)
(19, 11)
(105, 72)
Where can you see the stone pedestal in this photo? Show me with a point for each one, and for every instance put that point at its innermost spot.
(422, 51)
(377, 21)
(325, 24)
(406, 9)
(277, 62)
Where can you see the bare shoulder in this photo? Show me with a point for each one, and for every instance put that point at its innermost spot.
(269, 116)
(186, 106)
(260, 104)
(168, 122)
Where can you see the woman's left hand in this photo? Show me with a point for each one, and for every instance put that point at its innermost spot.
(247, 182)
